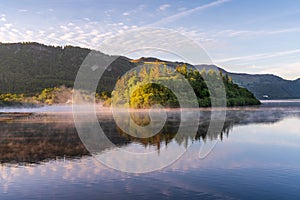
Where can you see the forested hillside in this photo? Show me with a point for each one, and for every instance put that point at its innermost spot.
(36, 70)
(28, 68)
(134, 90)
(263, 86)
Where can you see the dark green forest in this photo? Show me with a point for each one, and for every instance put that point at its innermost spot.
(134, 90)
(28, 68)
(261, 85)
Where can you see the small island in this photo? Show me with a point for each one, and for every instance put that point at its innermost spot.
(134, 90)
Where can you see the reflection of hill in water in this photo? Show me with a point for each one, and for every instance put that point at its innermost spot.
(42, 138)
(233, 117)
(45, 138)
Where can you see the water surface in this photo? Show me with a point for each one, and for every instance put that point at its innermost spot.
(256, 157)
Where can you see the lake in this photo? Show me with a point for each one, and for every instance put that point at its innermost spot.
(254, 156)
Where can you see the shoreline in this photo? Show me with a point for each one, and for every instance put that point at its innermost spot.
(66, 111)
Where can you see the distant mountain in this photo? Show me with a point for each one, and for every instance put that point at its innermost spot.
(268, 86)
(30, 67)
(263, 86)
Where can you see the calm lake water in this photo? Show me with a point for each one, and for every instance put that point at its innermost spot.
(257, 157)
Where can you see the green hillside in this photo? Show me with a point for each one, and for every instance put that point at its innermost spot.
(26, 69)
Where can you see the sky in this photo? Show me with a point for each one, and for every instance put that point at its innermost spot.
(247, 36)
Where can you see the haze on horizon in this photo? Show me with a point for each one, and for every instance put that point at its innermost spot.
(239, 36)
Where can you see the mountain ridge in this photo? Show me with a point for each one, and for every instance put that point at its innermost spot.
(263, 86)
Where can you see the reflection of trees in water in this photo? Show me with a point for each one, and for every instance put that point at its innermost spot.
(36, 141)
(233, 118)
(170, 130)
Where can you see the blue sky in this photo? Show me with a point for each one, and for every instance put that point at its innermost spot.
(239, 35)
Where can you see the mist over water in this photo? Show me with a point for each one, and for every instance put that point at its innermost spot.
(65, 108)
(39, 109)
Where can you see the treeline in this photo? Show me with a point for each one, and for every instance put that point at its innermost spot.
(11, 99)
(49, 96)
(134, 89)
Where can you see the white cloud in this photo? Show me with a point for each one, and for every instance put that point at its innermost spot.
(250, 33)
(8, 26)
(22, 10)
(202, 37)
(285, 64)
(181, 9)
(29, 33)
(164, 7)
(52, 35)
(65, 28)
(108, 13)
(42, 32)
(161, 43)
(67, 36)
(258, 56)
(290, 71)
(133, 11)
(86, 34)
(286, 70)
(3, 18)
(15, 30)
(188, 12)
(117, 24)
(50, 10)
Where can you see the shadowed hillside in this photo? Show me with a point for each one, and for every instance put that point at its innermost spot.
(29, 68)
(268, 85)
